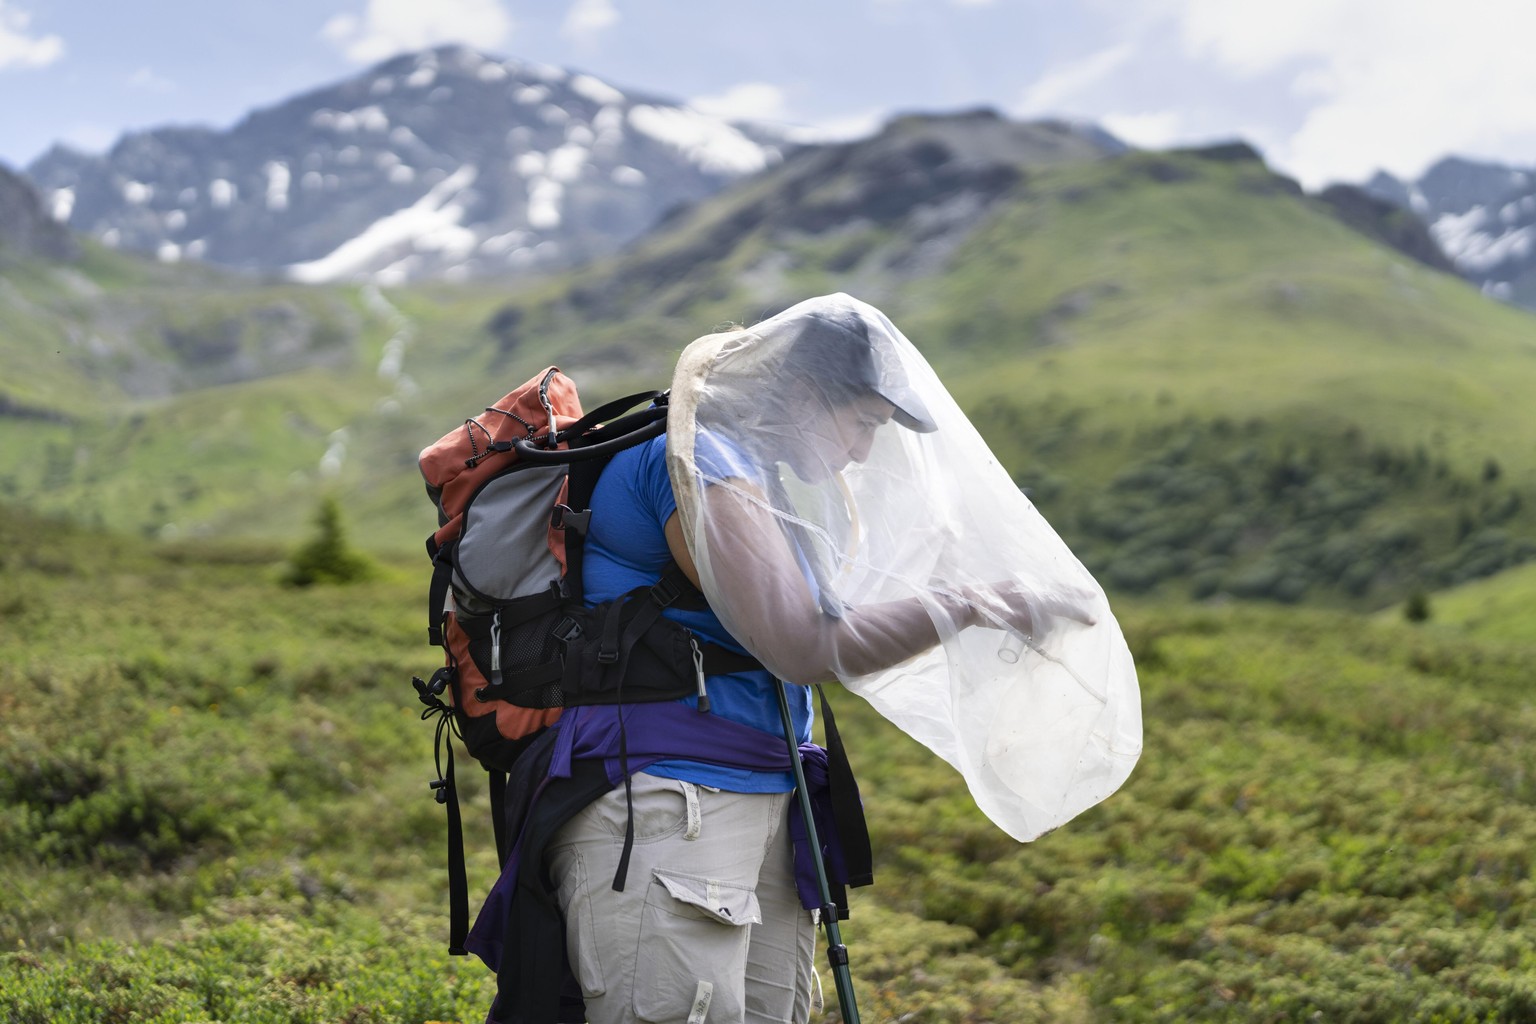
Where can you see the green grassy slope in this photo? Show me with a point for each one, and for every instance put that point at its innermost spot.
(1099, 315)
(1496, 609)
(213, 807)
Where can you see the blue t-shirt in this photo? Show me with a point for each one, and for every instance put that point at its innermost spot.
(626, 547)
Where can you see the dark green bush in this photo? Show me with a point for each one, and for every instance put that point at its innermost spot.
(326, 557)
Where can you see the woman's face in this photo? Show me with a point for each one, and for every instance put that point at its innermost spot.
(837, 437)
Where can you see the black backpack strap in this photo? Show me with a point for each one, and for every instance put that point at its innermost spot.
(847, 808)
(445, 791)
(437, 592)
(607, 410)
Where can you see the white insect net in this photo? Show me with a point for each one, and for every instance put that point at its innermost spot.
(847, 522)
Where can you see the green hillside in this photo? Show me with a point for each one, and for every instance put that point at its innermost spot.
(213, 806)
(1496, 609)
(1163, 348)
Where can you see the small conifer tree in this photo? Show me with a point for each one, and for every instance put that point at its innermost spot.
(326, 557)
(1416, 608)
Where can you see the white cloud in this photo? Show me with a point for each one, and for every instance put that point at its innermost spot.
(749, 101)
(845, 128)
(768, 103)
(1391, 84)
(587, 18)
(19, 48)
(1157, 130)
(1063, 83)
(388, 27)
(146, 79)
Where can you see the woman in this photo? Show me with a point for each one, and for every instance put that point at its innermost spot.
(754, 511)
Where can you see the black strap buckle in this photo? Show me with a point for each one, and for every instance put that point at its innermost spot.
(666, 590)
(432, 690)
(566, 518)
(566, 630)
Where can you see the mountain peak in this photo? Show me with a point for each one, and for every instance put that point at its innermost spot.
(1483, 215)
(445, 162)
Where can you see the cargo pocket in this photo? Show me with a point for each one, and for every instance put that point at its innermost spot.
(693, 948)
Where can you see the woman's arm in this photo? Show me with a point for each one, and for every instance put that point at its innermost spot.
(764, 599)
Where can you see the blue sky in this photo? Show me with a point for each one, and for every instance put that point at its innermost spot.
(1328, 89)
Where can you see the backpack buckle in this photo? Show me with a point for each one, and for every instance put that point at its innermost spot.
(431, 691)
(566, 630)
(666, 590)
(564, 517)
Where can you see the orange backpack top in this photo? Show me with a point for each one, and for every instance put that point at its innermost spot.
(457, 468)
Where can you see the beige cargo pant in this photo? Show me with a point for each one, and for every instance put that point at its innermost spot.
(709, 927)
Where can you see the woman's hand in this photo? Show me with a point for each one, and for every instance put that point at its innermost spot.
(1026, 611)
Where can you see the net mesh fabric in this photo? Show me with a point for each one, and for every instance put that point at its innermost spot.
(847, 522)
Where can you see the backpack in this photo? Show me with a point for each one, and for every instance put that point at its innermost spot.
(511, 487)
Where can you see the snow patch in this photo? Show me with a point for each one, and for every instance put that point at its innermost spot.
(432, 223)
(442, 94)
(544, 195)
(1483, 252)
(713, 145)
(187, 196)
(278, 180)
(398, 272)
(528, 95)
(598, 92)
(553, 114)
(626, 175)
(61, 204)
(175, 220)
(311, 181)
(400, 174)
(609, 119)
(490, 72)
(497, 245)
(529, 165)
(196, 248)
(566, 162)
(1454, 231)
(168, 252)
(422, 77)
(371, 119)
(137, 192)
(342, 121)
(222, 192)
(335, 453)
(382, 87)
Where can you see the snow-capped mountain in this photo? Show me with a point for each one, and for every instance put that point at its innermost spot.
(442, 163)
(1484, 217)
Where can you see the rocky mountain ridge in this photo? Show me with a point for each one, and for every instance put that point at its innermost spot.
(26, 230)
(446, 163)
(1483, 215)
